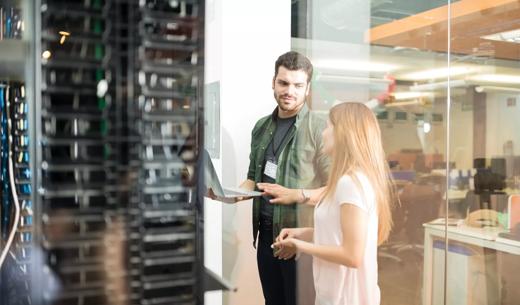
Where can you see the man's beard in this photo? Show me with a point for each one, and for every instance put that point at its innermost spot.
(285, 107)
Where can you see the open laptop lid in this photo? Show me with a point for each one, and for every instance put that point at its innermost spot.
(210, 176)
(212, 181)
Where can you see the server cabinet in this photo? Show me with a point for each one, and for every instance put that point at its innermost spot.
(101, 121)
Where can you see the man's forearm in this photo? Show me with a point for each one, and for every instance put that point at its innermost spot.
(314, 195)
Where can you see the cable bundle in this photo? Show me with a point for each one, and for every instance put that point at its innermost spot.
(11, 23)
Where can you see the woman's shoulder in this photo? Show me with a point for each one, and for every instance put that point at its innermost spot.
(351, 179)
(357, 182)
(355, 189)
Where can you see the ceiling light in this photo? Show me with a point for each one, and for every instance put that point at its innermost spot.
(497, 78)
(410, 95)
(351, 79)
(439, 85)
(354, 65)
(401, 104)
(481, 89)
(437, 73)
(508, 36)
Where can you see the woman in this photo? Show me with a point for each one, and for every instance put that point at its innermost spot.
(352, 216)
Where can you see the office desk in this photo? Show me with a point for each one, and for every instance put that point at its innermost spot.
(480, 237)
(461, 194)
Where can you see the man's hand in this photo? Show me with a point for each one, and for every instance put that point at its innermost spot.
(212, 195)
(386, 96)
(280, 194)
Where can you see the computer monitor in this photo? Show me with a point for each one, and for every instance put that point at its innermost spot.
(498, 166)
(479, 163)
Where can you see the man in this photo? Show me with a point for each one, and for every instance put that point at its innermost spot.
(285, 150)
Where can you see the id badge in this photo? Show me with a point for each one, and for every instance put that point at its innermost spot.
(270, 169)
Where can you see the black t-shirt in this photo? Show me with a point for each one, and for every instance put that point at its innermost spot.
(272, 152)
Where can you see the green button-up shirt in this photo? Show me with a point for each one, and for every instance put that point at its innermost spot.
(301, 164)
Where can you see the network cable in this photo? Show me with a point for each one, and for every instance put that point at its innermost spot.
(14, 228)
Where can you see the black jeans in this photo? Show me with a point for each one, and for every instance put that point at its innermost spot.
(278, 277)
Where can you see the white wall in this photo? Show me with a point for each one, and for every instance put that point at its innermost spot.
(243, 40)
(503, 123)
(461, 141)
(212, 209)
(405, 135)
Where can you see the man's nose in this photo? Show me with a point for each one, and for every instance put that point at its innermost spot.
(291, 90)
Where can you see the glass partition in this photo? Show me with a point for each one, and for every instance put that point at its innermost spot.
(484, 154)
(359, 49)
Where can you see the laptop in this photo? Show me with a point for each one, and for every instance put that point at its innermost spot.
(212, 181)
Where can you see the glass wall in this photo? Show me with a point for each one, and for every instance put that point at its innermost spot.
(442, 78)
(484, 153)
(450, 133)
(359, 49)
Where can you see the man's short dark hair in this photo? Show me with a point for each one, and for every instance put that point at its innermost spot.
(294, 61)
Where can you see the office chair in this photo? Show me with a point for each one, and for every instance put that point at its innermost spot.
(420, 202)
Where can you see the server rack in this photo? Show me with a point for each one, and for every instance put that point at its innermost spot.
(168, 77)
(16, 163)
(78, 155)
(109, 136)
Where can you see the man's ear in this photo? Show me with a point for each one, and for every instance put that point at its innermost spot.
(272, 85)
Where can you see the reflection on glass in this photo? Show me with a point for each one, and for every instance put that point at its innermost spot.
(356, 47)
(483, 184)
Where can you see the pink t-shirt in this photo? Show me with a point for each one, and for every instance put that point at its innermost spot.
(337, 284)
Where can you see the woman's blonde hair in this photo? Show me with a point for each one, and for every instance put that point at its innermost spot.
(358, 147)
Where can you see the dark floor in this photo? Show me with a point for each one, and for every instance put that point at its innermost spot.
(401, 282)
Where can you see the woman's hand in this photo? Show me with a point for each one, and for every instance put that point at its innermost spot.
(282, 195)
(286, 248)
(285, 243)
(291, 233)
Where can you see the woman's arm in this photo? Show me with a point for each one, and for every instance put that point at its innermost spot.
(305, 234)
(352, 249)
(283, 195)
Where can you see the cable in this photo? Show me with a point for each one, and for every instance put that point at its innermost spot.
(16, 206)
(13, 191)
